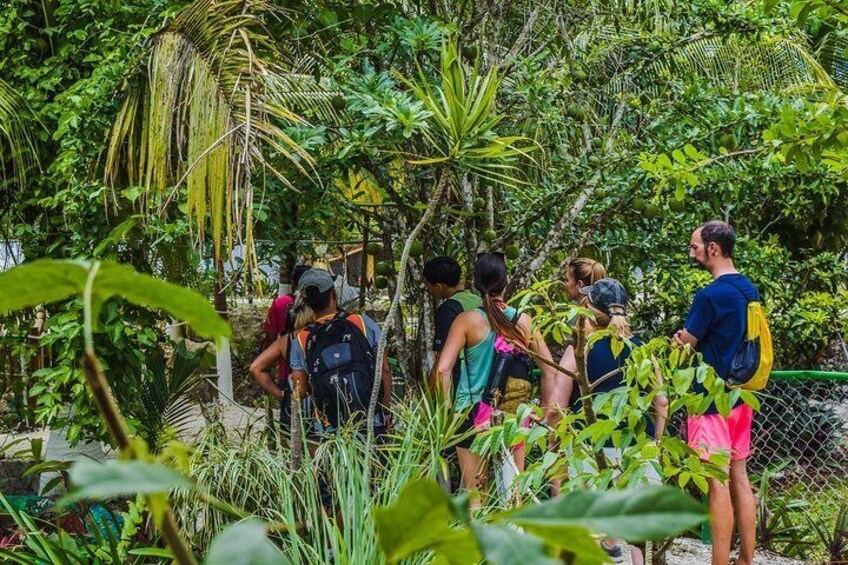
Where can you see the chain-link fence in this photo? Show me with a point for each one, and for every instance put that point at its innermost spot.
(800, 443)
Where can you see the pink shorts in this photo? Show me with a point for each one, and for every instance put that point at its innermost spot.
(711, 434)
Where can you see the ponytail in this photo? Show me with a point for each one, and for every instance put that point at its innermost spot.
(588, 271)
(490, 280)
(617, 321)
(302, 314)
(501, 324)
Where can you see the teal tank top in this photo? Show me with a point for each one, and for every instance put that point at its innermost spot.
(475, 368)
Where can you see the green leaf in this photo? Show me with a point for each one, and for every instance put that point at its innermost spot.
(504, 545)
(40, 282)
(636, 514)
(152, 552)
(420, 519)
(121, 478)
(245, 543)
(46, 281)
(144, 290)
(574, 539)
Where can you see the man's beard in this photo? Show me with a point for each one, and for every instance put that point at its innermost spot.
(698, 264)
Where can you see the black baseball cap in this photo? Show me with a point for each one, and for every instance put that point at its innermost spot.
(605, 294)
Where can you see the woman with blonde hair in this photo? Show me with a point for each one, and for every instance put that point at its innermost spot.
(581, 273)
(608, 301)
(278, 352)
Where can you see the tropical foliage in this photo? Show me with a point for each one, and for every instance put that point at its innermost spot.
(196, 141)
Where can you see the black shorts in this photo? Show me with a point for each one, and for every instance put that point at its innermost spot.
(466, 426)
(285, 407)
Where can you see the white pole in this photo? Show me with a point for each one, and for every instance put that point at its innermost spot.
(224, 363)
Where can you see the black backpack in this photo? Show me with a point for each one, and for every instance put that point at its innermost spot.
(340, 362)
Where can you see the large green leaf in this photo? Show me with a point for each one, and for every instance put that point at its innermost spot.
(579, 541)
(245, 543)
(636, 514)
(144, 290)
(40, 282)
(111, 478)
(421, 519)
(46, 280)
(504, 545)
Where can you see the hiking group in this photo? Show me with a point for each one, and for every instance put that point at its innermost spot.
(485, 353)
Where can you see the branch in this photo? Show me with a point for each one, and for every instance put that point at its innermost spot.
(535, 355)
(443, 177)
(520, 42)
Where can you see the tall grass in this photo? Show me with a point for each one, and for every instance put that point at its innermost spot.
(247, 474)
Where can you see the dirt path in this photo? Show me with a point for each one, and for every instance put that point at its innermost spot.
(686, 551)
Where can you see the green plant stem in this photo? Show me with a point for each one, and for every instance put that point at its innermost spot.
(585, 385)
(118, 429)
(88, 322)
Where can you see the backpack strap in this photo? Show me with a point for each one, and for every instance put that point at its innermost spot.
(742, 292)
(303, 336)
(358, 321)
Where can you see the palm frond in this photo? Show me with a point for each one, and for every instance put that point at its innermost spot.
(17, 144)
(159, 396)
(736, 62)
(206, 115)
(301, 91)
(832, 56)
(463, 121)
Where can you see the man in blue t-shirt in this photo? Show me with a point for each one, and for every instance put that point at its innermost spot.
(716, 327)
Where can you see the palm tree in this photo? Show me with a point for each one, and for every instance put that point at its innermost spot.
(17, 144)
(210, 112)
(460, 137)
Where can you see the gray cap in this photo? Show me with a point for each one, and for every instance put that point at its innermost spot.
(319, 278)
(605, 294)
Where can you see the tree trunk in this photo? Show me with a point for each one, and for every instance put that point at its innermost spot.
(223, 354)
(399, 341)
(296, 432)
(443, 178)
(363, 263)
(553, 241)
(469, 228)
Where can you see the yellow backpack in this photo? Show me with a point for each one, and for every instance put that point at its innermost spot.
(753, 361)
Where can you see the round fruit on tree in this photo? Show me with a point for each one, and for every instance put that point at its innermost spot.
(677, 205)
(339, 103)
(651, 210)
(728, 141)
(381, 283)
(383, 268)
(479, 203)
(580, 75)
(576, 112)
(470, 52)
(513, 252)
(417, 249)
(373, 248)
(489, 236)
(639, 204)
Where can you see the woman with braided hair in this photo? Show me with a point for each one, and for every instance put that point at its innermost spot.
(474, 341)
